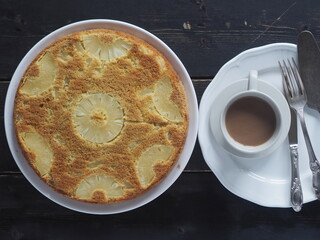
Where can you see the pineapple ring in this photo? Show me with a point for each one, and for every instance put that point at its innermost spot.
(98, 117)
(150, 157)
(47, 69)
(162, 102)
(41, 149)
(105, 51)
(98, 182)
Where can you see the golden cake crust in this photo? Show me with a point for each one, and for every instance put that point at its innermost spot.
(101, 116)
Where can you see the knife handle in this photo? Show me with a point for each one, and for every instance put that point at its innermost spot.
(296, 195)
(313, 161)
(316, 178)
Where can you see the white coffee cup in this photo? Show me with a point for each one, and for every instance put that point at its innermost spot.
(251, 87)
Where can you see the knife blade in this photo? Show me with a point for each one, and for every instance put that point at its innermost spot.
(309, 67)
(296, 196)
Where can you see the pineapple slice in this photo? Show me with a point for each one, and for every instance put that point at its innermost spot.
(145, 50)
(47, 73)
(98, 117)
(161, 63)
(153, 155)
(39, 146)
(162, 102)
(105, 51)
(99, 182)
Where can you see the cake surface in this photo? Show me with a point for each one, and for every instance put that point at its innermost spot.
(101, 116)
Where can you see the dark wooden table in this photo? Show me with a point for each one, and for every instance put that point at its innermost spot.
(204, 35)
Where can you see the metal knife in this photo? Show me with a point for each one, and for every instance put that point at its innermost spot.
(296, 195)
(309, 67)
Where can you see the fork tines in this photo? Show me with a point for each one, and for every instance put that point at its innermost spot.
(293, 85)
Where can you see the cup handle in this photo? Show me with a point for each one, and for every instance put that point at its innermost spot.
(253, 80)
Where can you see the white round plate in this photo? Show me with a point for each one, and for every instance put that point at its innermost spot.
(265, 181)
(102, 208)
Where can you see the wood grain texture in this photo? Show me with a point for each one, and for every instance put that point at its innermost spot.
(195, 207)
(203, 34)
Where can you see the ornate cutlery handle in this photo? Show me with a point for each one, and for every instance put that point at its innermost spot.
(315, 168)
(313, 162)
(296, 190)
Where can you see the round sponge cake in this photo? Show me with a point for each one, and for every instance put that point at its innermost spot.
(101, 116)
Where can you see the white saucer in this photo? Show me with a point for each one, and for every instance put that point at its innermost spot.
(265, 181)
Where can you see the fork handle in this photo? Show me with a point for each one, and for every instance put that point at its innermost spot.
(313, 162)
(296, 195)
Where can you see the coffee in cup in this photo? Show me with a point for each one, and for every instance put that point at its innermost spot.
(250, 118)
(251, 121)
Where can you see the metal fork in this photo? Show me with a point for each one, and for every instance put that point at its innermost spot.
(297, 99)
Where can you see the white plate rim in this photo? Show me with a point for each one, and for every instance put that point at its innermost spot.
(124, 206)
